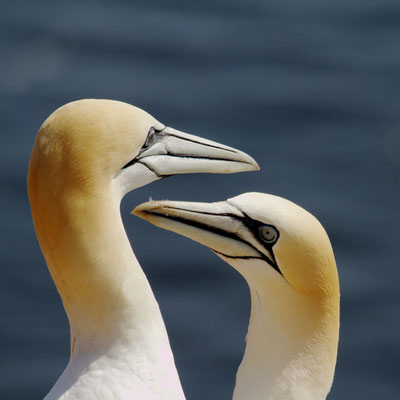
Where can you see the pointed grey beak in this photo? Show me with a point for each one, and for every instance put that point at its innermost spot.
(171, 152)
(218, 226)
(221, 226)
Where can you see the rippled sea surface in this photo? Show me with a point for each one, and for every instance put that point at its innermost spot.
(310, 89)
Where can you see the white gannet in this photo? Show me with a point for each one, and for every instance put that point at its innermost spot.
(87, 155)
(286, 257)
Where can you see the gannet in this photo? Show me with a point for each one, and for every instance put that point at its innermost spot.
(87, 155)
(286, 257)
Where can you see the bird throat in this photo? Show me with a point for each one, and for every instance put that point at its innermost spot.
(291, 347)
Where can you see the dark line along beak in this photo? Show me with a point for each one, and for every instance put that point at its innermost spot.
(220, 226)
(170, 152)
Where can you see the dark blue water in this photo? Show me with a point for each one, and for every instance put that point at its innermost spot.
(310, 89)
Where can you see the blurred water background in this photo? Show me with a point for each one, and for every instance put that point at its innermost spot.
(310, 89)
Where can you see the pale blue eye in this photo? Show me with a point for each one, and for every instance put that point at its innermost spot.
(268, 234)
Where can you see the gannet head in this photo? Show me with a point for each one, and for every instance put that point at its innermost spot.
(285, 256)
(287, 244)
(95, 143)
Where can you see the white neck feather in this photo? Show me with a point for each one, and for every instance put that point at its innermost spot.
(291, 346)
(119, 344)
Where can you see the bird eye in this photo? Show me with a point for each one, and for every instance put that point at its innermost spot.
(268, 234)
(150, 138)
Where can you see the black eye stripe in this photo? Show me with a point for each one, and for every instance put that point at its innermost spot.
(152, 137)
(252, 225)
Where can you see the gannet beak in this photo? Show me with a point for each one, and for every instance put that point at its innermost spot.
(169, 152)
(220, 226)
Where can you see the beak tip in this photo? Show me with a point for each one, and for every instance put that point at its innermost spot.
(135, 212)
(252, 164)
(256, 166)
(140, 210)
(144, 210)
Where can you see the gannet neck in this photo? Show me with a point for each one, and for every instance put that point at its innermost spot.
(291, 344)
(119, 344)
(115, 321)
